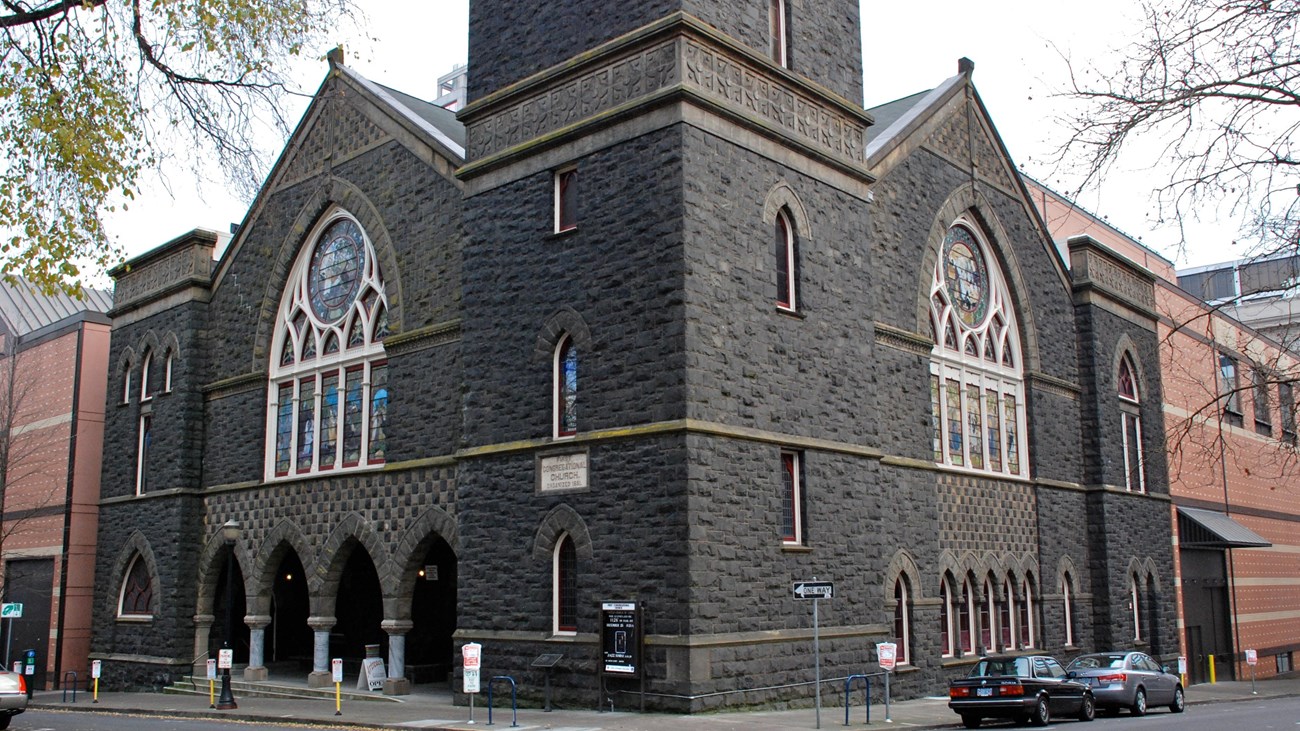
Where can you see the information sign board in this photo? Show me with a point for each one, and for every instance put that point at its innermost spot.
(11, 610)
(212, 669)
(225, 659)
(336, 670)
(471, 655)
(620, 624)
(95, 667)
(1252, 657)
(814, 589)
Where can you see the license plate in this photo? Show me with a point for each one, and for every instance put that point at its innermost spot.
(983, 691)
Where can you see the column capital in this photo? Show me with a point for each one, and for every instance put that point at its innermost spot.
(396, 626)
(204, 620)
(257, 621)
(322, 624)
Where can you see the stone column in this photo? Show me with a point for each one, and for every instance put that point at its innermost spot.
(320, 657)
(396, 683)
(202, 635)
(256, 670)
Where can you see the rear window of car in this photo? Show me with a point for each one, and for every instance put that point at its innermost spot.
(1017, 666)
(1093, 662)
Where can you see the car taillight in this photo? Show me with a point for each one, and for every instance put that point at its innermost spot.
(1116, 678)
(1013, 690)
(22, 685)
(959, 692)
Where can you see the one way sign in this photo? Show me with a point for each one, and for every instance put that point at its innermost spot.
(814, 589)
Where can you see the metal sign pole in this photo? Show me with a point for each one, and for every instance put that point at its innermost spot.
(817, 660)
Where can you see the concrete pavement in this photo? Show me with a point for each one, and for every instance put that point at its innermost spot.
(432, 709)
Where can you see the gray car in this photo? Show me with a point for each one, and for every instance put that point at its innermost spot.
(1129, 680)
(13, 696)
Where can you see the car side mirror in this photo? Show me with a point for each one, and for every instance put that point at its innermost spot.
(1071, 674)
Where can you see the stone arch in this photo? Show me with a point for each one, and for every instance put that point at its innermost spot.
(565, 321)
(781, 196)
(170, 344)
(149, 343)
(968, 200)
(950, 568)
(1126, 347)
(126, 361)
(333, 193)
(1065, 567)
(332, 557)
(413, 544)
(562, 519)
(210, 565)
(135, 545)
(285, 536)
(903, 564)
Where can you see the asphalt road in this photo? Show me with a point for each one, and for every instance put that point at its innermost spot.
(1260, 715)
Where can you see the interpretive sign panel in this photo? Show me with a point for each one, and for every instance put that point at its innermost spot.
(620, 624)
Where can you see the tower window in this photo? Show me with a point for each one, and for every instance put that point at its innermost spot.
(566, 200)
(778, 33)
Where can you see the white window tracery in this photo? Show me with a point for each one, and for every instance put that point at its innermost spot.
(327, 397)
(976, 376)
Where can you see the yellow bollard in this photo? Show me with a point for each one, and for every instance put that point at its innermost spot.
(96, 696)
(212, 693)
(338, 699)
(1212, 680)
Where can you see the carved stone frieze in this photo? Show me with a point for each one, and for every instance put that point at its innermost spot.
(688, 61)
(574, 99)
(183, 264)
(1115, 279)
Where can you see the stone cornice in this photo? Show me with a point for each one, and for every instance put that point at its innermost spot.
(426, 337)
(1053, 385)
(904, 340)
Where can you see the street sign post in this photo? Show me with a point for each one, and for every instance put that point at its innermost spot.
(11, 610)
(1252, 659)
(95, 669)
(471, 655)
(815, 590)
(336, 674)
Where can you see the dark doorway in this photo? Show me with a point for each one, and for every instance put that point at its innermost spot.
(1205, 608)
(29, 582)
(288, 638)
(232, 597)
(359, 610)
(429, 649)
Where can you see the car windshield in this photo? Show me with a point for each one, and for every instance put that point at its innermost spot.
(1094, 662)
(1017, 666)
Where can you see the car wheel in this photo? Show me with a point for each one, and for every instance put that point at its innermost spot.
(1042, 714)
(4, 721)
(971, 721)
(1139, 707)
(1179, 702)
(1088, 708)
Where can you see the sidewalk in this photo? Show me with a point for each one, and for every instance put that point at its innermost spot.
(426, 709)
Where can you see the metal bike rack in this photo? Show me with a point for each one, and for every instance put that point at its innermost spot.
(73, 673)
(514, 705)
(866, 696)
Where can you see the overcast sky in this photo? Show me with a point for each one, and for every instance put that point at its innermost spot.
(1017, 46)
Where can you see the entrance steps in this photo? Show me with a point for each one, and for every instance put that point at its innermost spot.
(275, 688)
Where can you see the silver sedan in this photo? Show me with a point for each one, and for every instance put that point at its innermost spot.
(1129, 680)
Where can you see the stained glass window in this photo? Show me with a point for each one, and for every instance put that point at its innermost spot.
(566, 389)
(566, 585)
(945, 619)
(785, 261)
(137, 591)
(936, 418)
(332, 318)
(976, 361)
(791, 507)
(378, 412)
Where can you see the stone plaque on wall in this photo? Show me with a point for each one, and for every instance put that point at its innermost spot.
(562, 472)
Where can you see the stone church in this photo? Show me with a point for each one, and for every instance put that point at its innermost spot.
(660, 324)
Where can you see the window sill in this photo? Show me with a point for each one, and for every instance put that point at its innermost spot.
(956, 662)
(564, 232)
(135, 618)
(795, 548)
(788, 312)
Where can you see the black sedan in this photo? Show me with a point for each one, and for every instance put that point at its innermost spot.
(1022, 687)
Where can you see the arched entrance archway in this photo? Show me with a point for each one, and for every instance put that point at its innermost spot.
(229, 600)
(288, 638)
(433, 614)
(359, 609)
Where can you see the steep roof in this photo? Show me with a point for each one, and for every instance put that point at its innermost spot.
(25, 309)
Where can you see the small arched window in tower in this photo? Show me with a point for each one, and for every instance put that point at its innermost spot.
(137, 591)
(778, 33)
(1135, 604)
(786, 262)
(566, 388)
(1067, 600)
(565, 572)
(167, 371)
(126, 383)
(146, 384)
(903, 620)
(1131, 426)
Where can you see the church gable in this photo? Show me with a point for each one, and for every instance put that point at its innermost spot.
(336, 130)
(964, 138)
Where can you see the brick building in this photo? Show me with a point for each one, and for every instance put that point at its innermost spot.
(1230, 416)
(662, 316)
(53, 370)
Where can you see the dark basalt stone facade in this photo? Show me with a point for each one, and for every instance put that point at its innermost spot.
(694, 387)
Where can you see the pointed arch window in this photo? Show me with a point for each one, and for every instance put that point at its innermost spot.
(565, 572)
(1025, 614)
(1135, 604)
(786, 262)
(1067, 600)
(328, 396)
(566, 388)
(903, 619)
(146, 385)
(1131, 426)
(946, 630)
(976, 379)
(167, 371)
(136, 600)
(126, 383)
